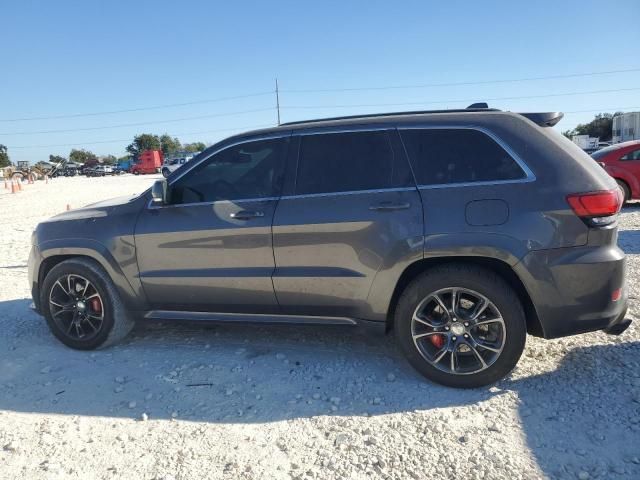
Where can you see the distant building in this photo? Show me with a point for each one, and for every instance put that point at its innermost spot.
(626, 127)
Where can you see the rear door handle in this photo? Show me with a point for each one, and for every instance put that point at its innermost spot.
(246, 215)
(389, 206)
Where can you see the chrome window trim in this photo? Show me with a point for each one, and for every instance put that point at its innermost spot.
(529, 175)
(151, 206)
(338, 129)
(352, 192)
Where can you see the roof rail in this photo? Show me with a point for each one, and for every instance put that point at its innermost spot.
(470, 108)
(543, 119)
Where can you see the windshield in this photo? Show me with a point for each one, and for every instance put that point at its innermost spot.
(604, 152)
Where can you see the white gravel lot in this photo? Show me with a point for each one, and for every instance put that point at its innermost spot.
(294, 402)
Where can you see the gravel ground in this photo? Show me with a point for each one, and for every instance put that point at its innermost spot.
(180, 401)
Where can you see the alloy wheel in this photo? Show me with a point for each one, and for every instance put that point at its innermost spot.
(458, 331)
(76, 307)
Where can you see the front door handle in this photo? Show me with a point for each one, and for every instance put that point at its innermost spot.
(246, 215)
(389, 206)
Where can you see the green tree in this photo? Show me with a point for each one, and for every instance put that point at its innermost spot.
(169, 144)
(82, 156)
(4, 157)
(56, 159)
(194, 147)
(145, 141)
(601, 126)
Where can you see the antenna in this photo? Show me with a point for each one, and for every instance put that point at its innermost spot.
(277, 101)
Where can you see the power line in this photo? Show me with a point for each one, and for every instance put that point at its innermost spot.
(602, 109)
(140, 109)
(251, 127)
(105, 127)
(457, 84)
(458, 100)
(264, 93)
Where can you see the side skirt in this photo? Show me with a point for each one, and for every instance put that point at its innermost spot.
(248, 318)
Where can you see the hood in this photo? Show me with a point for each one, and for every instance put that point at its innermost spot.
(95, 210)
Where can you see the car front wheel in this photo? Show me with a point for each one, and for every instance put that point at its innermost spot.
(82, 307)
(461, 326)
(165, 172)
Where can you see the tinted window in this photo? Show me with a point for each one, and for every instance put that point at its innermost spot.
(248, 170)
(632, 155)
(441, 156)
(343, 162)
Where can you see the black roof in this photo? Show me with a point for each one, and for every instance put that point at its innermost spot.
(543, 119)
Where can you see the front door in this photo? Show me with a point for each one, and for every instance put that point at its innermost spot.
(210, 248)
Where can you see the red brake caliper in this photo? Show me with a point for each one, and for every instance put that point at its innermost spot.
(437, 340)
(96, 305)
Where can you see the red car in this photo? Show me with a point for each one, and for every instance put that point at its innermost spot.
(622, 162)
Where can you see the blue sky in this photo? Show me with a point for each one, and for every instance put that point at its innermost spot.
(76, 57)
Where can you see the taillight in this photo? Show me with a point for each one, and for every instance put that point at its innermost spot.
(597, 208)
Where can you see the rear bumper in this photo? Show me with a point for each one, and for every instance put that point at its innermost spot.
(571, 289)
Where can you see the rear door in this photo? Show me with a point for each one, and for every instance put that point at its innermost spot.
(630, 161)
(352, 211)
(210, 248)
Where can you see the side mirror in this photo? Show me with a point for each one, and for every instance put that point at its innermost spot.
(159, 192)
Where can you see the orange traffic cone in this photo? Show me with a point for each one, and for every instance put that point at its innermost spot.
(14, 187)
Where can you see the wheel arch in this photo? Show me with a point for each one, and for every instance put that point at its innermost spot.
(53, 254)
(506, 272)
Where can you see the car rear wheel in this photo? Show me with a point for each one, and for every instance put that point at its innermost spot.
(461, 326)
(82, 307)
(626, 191)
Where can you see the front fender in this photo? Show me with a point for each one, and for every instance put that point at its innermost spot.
(132, 297)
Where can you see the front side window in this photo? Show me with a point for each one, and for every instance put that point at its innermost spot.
(345, 162)
(632, 155)
(244, 171)
(447, 156)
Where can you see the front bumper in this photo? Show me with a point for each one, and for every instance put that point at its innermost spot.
(33, 269)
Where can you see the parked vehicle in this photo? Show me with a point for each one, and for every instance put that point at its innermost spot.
(172, 165)
(622, 162)
(99, 171)
(461, 230)
(123, 166)
(149, 161)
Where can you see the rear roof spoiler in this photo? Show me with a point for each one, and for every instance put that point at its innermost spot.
(544, 119)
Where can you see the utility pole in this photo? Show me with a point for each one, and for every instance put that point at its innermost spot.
(278, 101)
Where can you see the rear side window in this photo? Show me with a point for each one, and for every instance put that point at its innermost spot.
(445, 156)
(344, 162)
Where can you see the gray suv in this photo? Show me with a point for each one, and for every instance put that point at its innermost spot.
(460, 230)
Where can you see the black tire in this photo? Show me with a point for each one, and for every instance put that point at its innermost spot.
(471, 278)
(136, 172)
(166, 172)
(626, 191)
(116, 323)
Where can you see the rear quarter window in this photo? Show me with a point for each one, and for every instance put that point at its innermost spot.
(450, 156)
